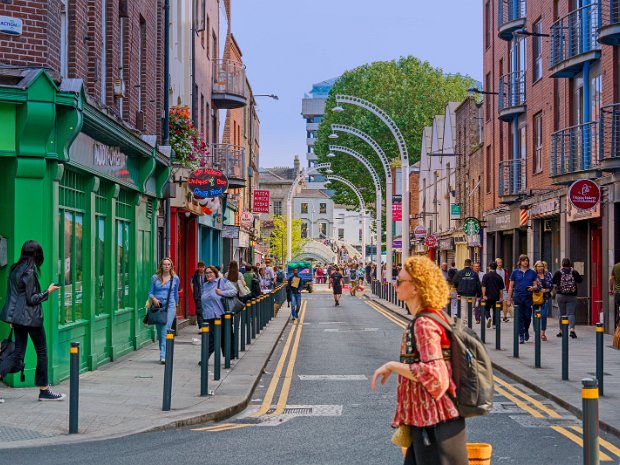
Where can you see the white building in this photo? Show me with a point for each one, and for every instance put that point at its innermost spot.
(316, 210)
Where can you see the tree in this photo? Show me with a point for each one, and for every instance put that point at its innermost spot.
(411, 91)
(277, 239)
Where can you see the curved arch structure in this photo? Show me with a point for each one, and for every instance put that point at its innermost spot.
(317, 250)
(404, 158)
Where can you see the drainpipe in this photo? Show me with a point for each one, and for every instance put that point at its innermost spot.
(166, 122)
(586, 133)
(516, 156)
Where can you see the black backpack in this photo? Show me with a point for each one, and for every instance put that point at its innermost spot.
(7, 364)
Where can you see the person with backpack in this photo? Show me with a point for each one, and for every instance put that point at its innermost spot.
(566, 280)
(522, 285)
(467, 282)
(429, 416)
(280, 275)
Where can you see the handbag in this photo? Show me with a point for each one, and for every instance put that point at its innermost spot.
(616, 342)
(231, 304)
(538, 298)
(157, 315)
(243, 288)
(7, 364)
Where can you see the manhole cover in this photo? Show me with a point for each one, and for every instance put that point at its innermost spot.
(19, 434)
(298, 411)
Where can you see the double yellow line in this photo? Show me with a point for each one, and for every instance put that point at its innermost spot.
(525, 402)
(293, 338)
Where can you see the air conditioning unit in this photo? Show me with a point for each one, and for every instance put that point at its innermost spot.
(547, 226)
(119, 88)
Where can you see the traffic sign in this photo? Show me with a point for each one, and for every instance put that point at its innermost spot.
(584, 194)
(419, 232)
(431, 240)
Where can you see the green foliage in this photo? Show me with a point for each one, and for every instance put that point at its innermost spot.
(277, 240)
(410, 91)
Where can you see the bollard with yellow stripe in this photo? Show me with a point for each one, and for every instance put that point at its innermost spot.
(589, 396)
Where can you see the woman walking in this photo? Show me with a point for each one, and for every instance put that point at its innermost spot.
(566, 280)
(212, 307)
(545, 284)
(425, 387)
(237, 280)
(164, 294)
(23, 310)
(335, 281)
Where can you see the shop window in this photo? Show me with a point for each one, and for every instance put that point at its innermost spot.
(102, 204)
(341, 234)
(125, 210)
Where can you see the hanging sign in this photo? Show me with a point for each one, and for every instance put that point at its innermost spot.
(584, 194)
(397, 208)
(230, 232)
(261, 201)
(471, 226)
(247, 219)
(207, 183)
(431, 240)
(11, 26)
(419, 232)
(455, 211)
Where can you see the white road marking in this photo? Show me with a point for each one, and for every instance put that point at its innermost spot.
(333, 377)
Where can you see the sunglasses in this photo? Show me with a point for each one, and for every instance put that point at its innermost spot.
(400, 281)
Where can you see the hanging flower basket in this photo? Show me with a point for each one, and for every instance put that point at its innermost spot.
(187, 142)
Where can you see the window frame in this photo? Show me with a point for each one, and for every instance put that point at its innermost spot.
(537, 139)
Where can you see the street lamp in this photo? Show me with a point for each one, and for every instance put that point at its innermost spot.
(337, 109)
(273, 96)
(525, 32)
(333, 135)
(474, 90)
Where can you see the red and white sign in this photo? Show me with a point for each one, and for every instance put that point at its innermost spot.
(584, 194)
(419, 232)
(397, 208)
(247, 219)
(261, 201)
(431, 240)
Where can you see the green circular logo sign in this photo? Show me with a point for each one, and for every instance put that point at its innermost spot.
(471, 226)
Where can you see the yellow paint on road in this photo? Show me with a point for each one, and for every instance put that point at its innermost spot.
(549, 411)
(606, 444)
(579, 441)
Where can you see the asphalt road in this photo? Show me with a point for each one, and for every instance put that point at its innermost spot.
(320, 409)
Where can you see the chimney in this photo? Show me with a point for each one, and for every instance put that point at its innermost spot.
(296, 166)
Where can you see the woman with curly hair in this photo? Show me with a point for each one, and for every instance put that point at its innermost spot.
(426, 416)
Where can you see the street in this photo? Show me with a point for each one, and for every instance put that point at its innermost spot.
(314, 406)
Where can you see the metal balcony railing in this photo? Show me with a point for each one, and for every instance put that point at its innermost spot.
(609, 132)
(229, 78)
(609, 22)
(574, 34)
(511, 90)
(512, 177)
(229, 159)
(575, 149)
(509, 12)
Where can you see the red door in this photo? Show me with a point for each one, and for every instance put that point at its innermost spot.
(596, 272)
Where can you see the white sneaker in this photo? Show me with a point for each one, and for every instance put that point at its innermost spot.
(1, 400)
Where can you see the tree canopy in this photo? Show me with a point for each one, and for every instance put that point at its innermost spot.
(410, 91)
(277, 239)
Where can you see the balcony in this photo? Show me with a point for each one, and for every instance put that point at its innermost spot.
(310, 141)
(510, 17)
(574, 41)
(228, 84)
(609, 149)
(511, 98)
(312, 126)
(512, 179)
(575, 153)
(609, 30)
(230, 160)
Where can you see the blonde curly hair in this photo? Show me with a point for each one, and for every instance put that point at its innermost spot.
(427, 277)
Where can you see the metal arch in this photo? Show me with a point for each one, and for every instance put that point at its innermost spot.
(304, 173)
(370, 141)
(352, 186)
(360, 102)
(375, 177)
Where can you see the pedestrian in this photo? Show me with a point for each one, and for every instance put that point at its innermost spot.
(424, 405)
(198, 278)
(614, 290)
(368, 271)
(444, 270)
(280, 275)
(164, 293)
(319, 275)
(335, 281)
(353, 278)
(566, 280)
(506, 308)
(295, 285)
(467, 282)
(248, 275)
(394, 272)
(234, 277)
(544, 284)
(522, 285)
(266, 282)
(478, 300)
(270, 273)
(212, 307)
(492, 292)
(24, 312)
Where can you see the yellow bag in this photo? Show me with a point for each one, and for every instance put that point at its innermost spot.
(402, 437)
(616, 342)
(538, 298)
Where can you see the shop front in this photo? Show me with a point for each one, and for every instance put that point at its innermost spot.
(545, 217)
(447, 253)
(504, 236)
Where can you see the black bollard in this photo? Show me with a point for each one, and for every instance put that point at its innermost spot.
(251, 318)
(564, 349)
(469, 312)
(589, 402)
(74, 387)
(498, 326)
(515, 333)
(235, 334)
(217, 360)
(600, 330)
(243, 327)
(168, 371)
(537, 316)
(204, 361)
(483, 321)
(227, 333)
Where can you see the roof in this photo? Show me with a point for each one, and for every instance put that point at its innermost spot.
(277, 174)
(312, 194)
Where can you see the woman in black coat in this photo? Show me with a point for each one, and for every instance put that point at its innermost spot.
(24, 312)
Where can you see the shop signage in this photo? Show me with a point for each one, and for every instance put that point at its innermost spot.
(267, 224)
(524, 216)
(473, 241)
(584, 194)
(574, 214)
(446, 244)
(230, 232)
(455, 211)
(419, 232)
(11, 26)
(431, 240)
(397, 208)
(544, 209)
(397, 244)
(261, 201)
(471, 226)
(247, 219)
(207, 183)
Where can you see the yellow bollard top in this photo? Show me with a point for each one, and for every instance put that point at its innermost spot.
(169, 336)
(227, 316)
(469, 300)
(218, 322)
(600, 329)
(204, 329)
(74, 350)
(589, 393)
(564, 321)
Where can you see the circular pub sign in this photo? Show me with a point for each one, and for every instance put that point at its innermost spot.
(419, 232)
(207, 183)
(584, 194)
(431, 240)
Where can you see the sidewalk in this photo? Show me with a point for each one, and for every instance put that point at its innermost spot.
(547, 380)
(125, 397)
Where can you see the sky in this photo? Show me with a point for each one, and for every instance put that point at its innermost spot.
(288, 45)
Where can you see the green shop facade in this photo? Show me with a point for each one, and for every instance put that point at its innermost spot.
(88, 189)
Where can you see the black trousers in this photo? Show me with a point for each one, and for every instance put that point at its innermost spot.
(40, 346)
(442, 444)
(211, 324)
(199, 318)
(490, 309)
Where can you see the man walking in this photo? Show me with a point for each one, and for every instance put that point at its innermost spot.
(522, 280)
(467, 282)
(505, 276)
(492, 286)
(295, 284)
(614, 289)
(478, 301)
(198, 279)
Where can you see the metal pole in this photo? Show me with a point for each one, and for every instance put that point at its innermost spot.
(469, 312)
(204, 361)
(589, 396)
(537, 316)
(389, 232)
(564, 349)
(168, 371)
(498, 326)
(600, 328)
(458, 306)
(74, 387)
(515, 333)
(483, 321)
(252, 321)
(217, 354)
(243, 328)
(235, 350)
(227, 331)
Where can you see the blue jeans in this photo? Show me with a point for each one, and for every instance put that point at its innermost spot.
(162, 330)
(525, 313)
(295, 304)
(543, 315)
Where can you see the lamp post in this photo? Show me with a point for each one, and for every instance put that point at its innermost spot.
(388, 190)
(377, 182)
(404, 158)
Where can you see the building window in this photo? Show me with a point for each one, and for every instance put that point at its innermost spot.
(489, 169)
(199, 15)
(322, 230)
(208, 41)
(122, 26)
(359, 235)
(142, 64)
(122, 263)
(487, 24)
(104, 51)
(487, 100)
(277, 207)
(322, 208)
(304, 230)
(537, 46)
(64, 39)
(340, 234)
(304, 208)
(538, 128)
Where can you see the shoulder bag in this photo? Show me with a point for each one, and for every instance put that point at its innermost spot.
(158, 315)
(7, 364)
(231, 304)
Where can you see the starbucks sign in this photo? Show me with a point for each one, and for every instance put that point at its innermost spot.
(471, 226)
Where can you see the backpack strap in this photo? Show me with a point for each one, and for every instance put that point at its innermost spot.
(437, 319)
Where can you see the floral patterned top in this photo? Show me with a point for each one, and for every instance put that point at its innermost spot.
(423, 401)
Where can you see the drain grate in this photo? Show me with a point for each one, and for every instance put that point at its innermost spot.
(298, 411)
(19, 434)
